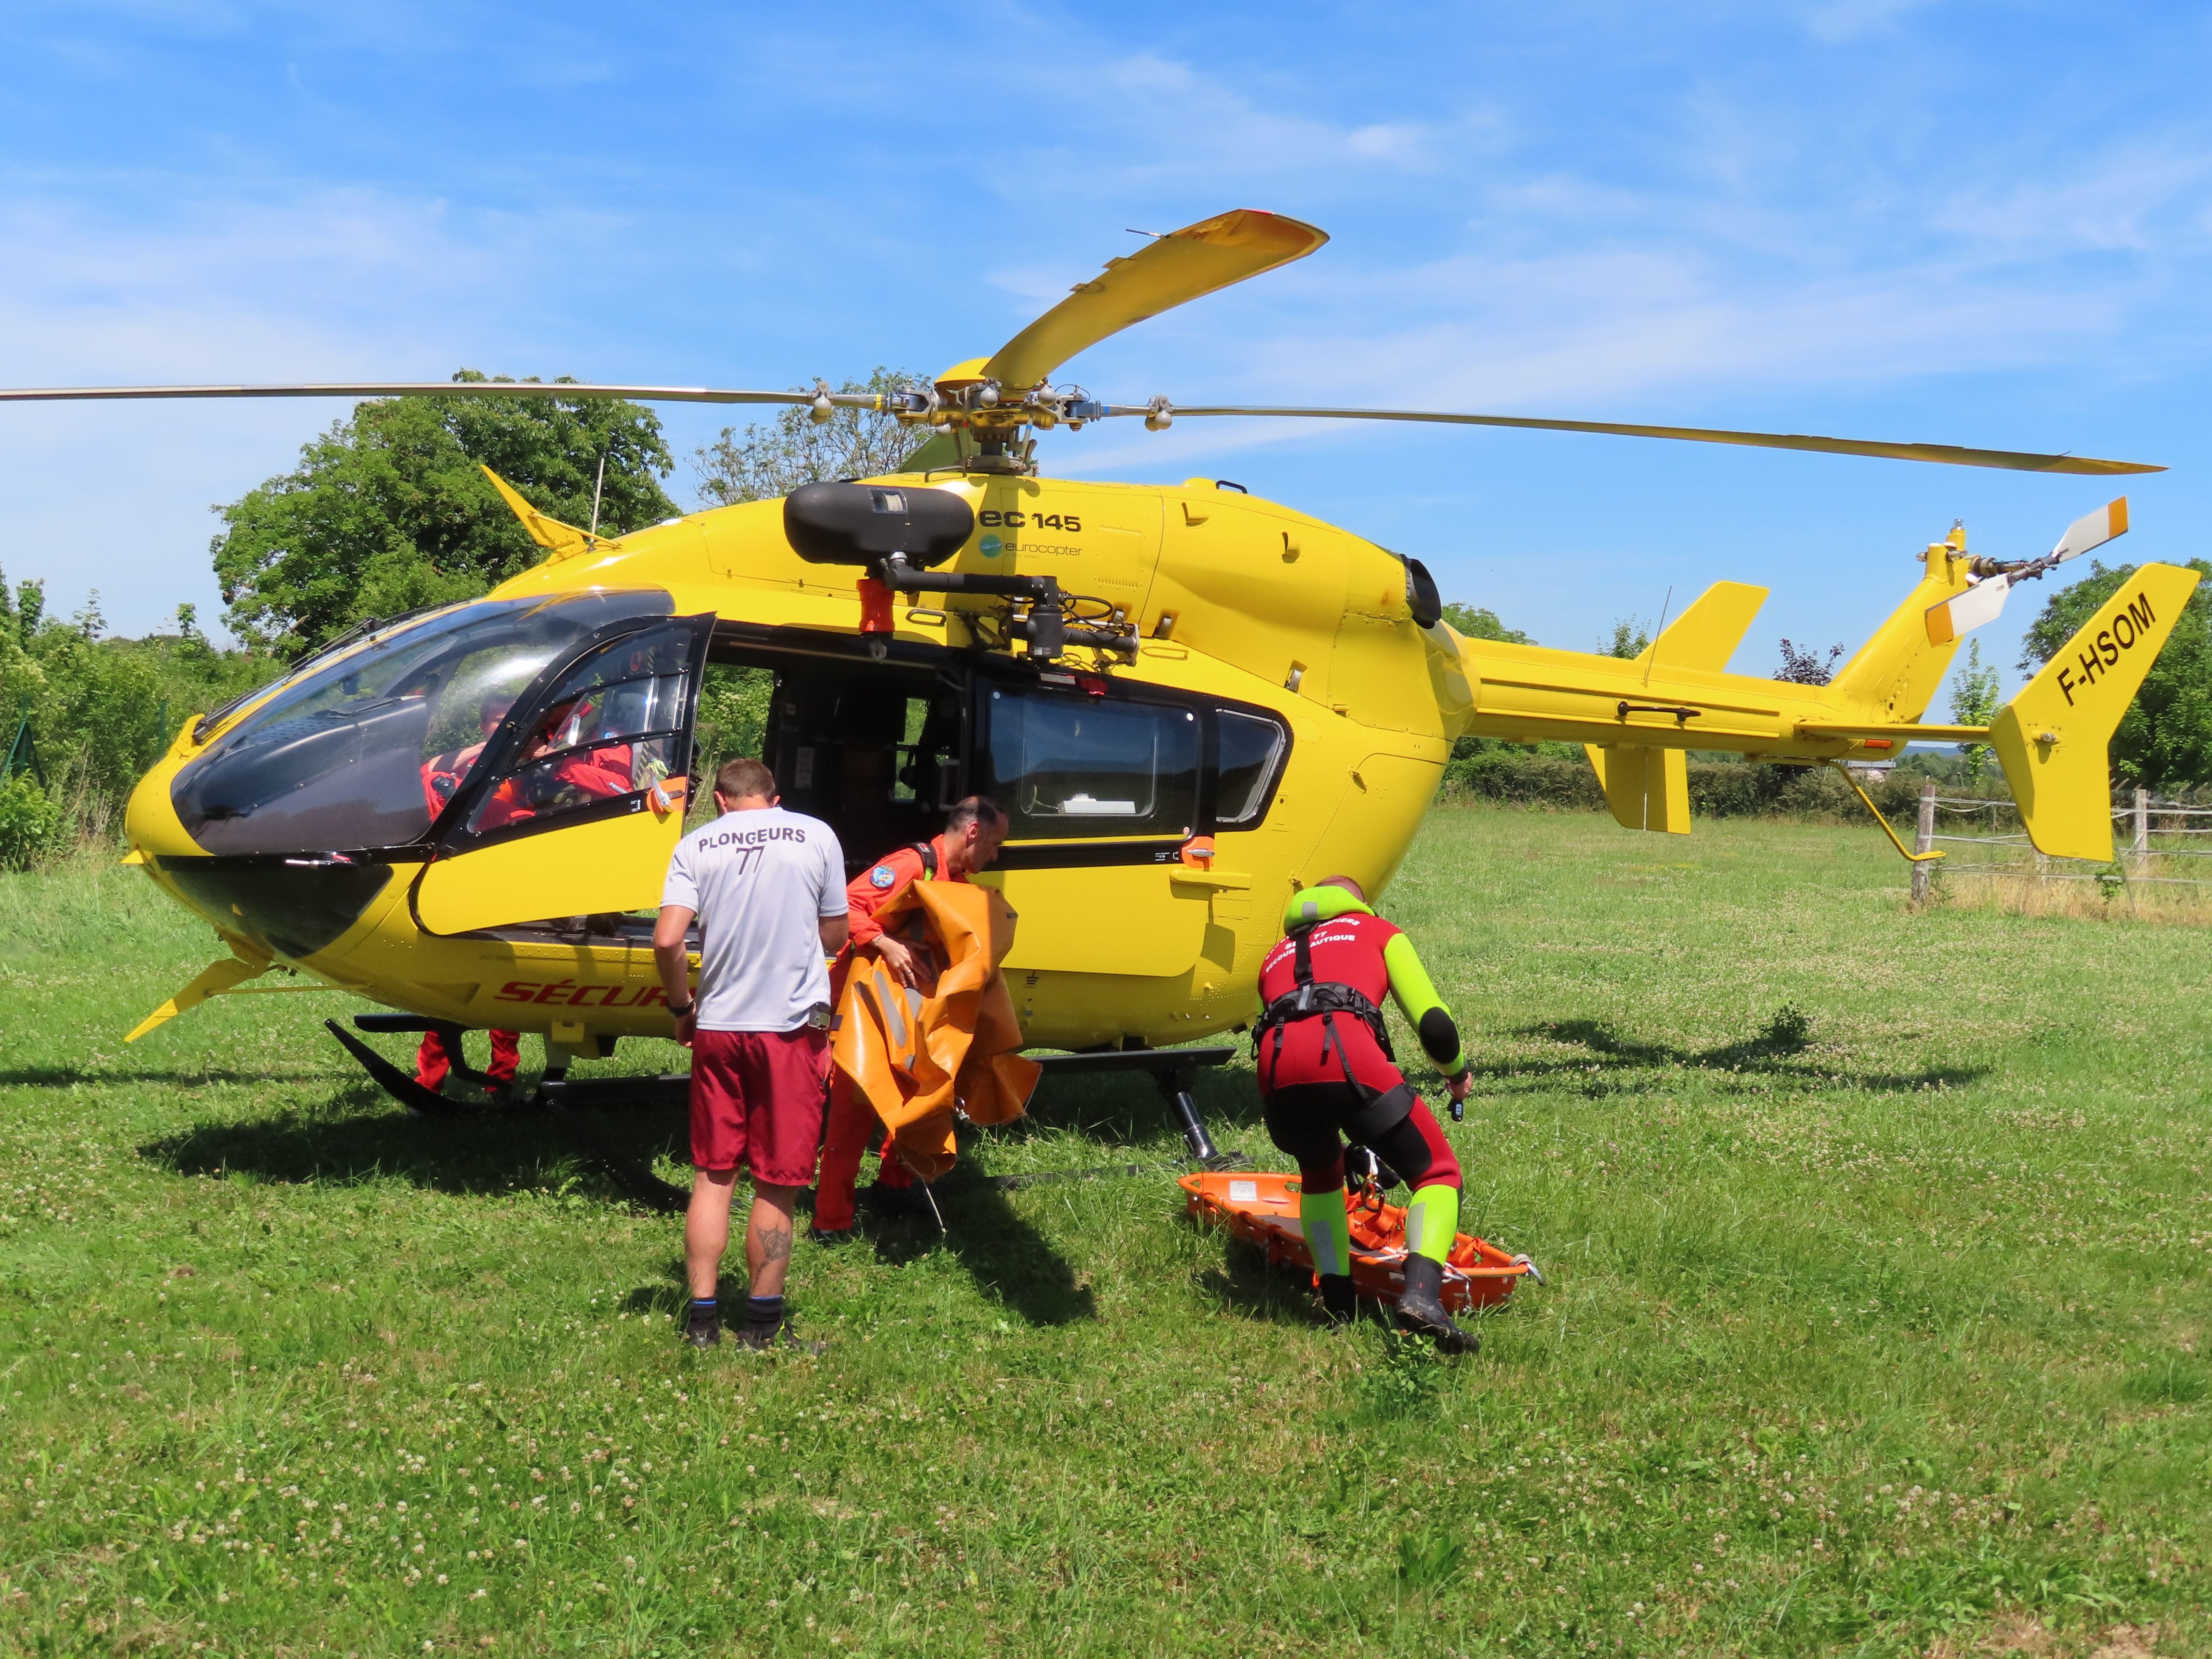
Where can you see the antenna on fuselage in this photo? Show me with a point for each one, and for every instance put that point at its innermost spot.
(597, 484)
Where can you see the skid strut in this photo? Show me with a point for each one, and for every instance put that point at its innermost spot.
(555, 1097)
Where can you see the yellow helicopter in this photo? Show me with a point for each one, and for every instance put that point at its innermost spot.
(1190, 701)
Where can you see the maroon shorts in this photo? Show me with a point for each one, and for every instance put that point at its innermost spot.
(756, 1101)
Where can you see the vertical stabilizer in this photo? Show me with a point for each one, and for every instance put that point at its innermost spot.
(1896, 673)
(1647, 788)
(2054, 737)
(1707, 634)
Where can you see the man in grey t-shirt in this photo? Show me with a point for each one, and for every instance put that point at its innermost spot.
(769, 889)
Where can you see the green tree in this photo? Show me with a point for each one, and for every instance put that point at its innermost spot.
(1630, 638)
(1808, 667)
(1480, 622)
(1974, 694)
(388, 511)
(100, 711)
(2165, 739)
(763, 462)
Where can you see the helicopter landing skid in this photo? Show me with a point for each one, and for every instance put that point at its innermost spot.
(555, 1097)
(396, 1083)
(1173, 1071)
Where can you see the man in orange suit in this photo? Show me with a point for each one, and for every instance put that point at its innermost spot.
(973, 832)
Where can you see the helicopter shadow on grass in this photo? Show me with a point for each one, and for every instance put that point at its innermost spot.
(359, 1135)
(1243, 1283)
(94, 1077)
(1778, 1051)
(1010, 1259)
(1012, 1262)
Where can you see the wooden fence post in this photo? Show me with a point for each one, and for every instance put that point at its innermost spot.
(1924, 842)
(2140, 847)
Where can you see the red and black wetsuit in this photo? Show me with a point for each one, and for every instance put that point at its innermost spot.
(1323, 1053)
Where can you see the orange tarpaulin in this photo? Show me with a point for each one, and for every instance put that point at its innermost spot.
(916, 1053)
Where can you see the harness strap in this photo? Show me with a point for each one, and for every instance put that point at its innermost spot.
(928, 849)
(1381, 1113)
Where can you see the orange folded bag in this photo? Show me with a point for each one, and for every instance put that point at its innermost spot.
(949, 1042)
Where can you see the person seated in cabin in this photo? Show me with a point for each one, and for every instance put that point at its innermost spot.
(560, 766)
(444, 774)
(1326, 1075)
(973, 832)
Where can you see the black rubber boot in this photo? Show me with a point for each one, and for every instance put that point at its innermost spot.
(702, 1327)
(1421, 1309)
(1340, 1302)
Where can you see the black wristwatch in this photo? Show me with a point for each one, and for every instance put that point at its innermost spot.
(686, 1011)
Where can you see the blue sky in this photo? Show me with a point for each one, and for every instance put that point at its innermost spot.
(1984, 223)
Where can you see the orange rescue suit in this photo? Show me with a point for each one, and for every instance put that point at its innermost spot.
(949, 1042)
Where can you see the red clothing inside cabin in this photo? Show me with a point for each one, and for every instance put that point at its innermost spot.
(442, 774)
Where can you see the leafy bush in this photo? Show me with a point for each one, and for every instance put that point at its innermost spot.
(1554, 777)
(103, 710)
(32, 821)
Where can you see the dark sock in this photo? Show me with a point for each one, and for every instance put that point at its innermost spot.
(703, 1304)
(764, 1313)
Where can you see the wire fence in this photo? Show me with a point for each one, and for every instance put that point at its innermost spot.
(2154, 839)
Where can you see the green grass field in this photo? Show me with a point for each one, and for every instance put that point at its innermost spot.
(1885, 1336)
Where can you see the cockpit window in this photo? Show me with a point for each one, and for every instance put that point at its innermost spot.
(612, 728)
(365, 752)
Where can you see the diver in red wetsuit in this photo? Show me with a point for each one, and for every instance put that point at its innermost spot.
(1326, 1071)
(973, 832)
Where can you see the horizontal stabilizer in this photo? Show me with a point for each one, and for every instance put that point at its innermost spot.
(1647, 788)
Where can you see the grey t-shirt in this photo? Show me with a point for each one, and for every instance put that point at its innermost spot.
(760, 882)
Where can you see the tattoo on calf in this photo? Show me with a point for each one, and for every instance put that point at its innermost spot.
(775, 1243)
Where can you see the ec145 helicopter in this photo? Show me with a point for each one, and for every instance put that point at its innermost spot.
(1190, 701)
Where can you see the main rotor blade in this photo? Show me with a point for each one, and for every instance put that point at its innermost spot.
(643, 394)
(1944, 454)
(1178, 267)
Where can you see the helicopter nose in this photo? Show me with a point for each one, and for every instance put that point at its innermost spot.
(283, 905)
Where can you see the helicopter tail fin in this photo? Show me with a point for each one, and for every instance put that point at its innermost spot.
(1647, 788)
(1895, 675)
(2054, 738)
(1707, 634)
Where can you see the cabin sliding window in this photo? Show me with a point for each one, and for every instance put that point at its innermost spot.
(1250, 755)
(1068, 766)
(613, 726)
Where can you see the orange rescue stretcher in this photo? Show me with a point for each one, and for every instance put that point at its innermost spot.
(1263, 1210)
